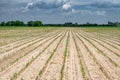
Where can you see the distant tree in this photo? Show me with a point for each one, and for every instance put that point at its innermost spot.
(37, 23)
(76, 23)
(21, 23)
(117, 23)
(30, 23)
(110, 23)
(3, 23)
(15, 23)
(68, 24)
(88, 23)
(12, 23)
(8, 23)
(34, 23)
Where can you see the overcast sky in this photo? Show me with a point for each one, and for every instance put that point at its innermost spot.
(60, 11)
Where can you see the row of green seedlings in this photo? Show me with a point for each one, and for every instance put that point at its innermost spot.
(100, 51)
(3, 68)
(24, 42)
(109, 42)
(18, 43)
(16, 75)
(103, 36)
(94, 58)
(49, 59)
(23, 69)
(23, 47)
(104, 45)
(83, 67)
(65, 55)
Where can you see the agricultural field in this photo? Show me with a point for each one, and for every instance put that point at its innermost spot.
(59, 53)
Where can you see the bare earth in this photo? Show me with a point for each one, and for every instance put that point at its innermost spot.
(60, 54)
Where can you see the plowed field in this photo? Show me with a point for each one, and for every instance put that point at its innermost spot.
(60, 54)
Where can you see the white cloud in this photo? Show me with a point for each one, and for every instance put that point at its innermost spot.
(66, 6)
(29, 5)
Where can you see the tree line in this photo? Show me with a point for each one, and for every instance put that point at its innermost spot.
(70, 24)
(21, 23)
(67, 24)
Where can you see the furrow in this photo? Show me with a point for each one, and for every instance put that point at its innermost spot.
(105, 65)
(73, 71)
(6, 54)
(47, 64)
(16, 44)
(64, 63)
(83, 67)
(10, 60)
(52, 71)
(103, 52)
(110, 45)
(94, 69)
(15, 70)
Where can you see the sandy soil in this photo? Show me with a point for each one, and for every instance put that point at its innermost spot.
(60, 54)
(53, 69)
(7, 61)
(72, 69)
(10, 71)
(93, 69)
(101, 59)
(33, 70)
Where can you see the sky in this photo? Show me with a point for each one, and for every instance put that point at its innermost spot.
(60, 11)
